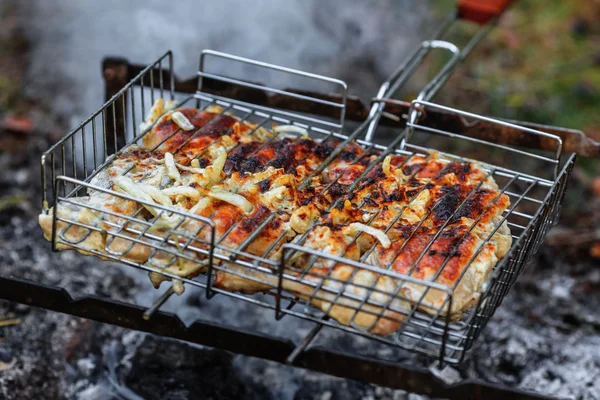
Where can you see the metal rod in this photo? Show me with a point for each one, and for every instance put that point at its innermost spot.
(303, 344)
(342, 364)
(162, 299)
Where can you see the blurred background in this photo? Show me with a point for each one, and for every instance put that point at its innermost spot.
(540, 64)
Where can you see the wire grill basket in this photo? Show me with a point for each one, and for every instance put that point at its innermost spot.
(69, 169)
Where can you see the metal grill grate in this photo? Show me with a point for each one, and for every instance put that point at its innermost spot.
(69, 167)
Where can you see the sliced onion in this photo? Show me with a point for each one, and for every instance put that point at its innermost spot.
(376, 233)
(156, 194)
(232, 198)
(156, 110)
(200, 205)
(386, 165)
(128, 186)
(290, 128)
(172, 168)
(217, 166)
(182, 121)
(166, 223)
(191, 169)
(185, 191)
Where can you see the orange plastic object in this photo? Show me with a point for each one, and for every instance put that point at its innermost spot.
(481, 11)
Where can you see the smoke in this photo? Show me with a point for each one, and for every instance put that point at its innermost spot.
(358, 41)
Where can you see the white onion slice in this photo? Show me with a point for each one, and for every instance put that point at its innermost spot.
(156, 194)
(172, 168)
(185, 191)
(386, 165)
(376, 233)
(232, 198)
(290, 128)
(129, 187)
(191, 169)
(217, 166)
(166, 223)
(182, 121)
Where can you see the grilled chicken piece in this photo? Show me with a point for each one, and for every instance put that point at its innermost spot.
(365, 224)
(438, 231)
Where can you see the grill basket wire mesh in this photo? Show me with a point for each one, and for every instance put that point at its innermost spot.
(69, 167)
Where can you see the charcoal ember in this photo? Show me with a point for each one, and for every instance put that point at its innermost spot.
(545, 337)
(36, 372)
(284, 382)
(570, 372)
(166, 369)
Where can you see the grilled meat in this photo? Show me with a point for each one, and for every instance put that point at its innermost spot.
(365, 222)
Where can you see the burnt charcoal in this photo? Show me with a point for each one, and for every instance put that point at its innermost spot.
(166, 369)
(332, 391)
(6, 355)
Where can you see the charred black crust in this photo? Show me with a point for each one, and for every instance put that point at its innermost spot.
(275, 223)
(405, 230)
(285, 154)
(325, 148)
(411, 169)
(376, 174)
(254, 157)
(237, 157)
(447, 253)
(370, 202)
(448, 203)
(394, 196)
(461, 170)
(264, 185)
(475, 205)
(138, 153)
(203, 162)
(412, 193)
(252, 165)
(346, 155)
(306, 201)
(337, 189)
(218, 126)
(257, 217)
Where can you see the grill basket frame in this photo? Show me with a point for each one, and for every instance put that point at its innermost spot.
(436, 336)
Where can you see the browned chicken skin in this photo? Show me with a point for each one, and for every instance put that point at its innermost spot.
(420, 216)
